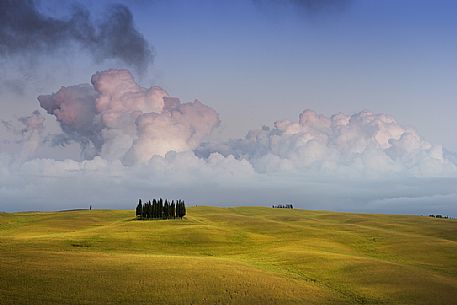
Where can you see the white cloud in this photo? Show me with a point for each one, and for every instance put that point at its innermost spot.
(26, 136)
(49, 184)
(138, 142)
(364, 144)
(118, 119)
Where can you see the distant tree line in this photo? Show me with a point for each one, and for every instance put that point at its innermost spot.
(282, 206)
(160, 209)
(438, 216)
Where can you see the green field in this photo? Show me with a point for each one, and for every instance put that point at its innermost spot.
(246, 255)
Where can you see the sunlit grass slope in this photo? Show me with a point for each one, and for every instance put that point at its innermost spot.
(246, 255)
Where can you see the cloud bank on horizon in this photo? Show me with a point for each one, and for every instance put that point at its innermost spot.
(117, 119)
(363, 143)
(137, 140)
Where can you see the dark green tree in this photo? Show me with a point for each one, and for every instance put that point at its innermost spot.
(154, 209)
(172, 210)
(181, 209)
(160, 208)
(149, 209)
(166, 210)
(139, 209)
(144, 212)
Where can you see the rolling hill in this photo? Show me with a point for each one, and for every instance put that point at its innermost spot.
(242, 255)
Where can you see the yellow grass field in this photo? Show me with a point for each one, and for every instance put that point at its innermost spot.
(244, 255)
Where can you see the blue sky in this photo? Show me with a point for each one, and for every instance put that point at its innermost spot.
(396, 57)
(252, 62)
(275, 60)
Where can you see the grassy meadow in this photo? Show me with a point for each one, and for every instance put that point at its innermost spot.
(243, 255)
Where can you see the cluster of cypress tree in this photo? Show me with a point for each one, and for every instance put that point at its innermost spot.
(282, 206)
(160, 209)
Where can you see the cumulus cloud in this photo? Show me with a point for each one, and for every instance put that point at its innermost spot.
(141, 142)
(363, 143)
(74, 109)
(119, 120)
(181, 127)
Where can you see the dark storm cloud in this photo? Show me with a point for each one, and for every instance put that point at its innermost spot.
(318, 5)
(24, 30)
(310, 7)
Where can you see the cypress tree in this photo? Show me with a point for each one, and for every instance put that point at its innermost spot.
(172, 210)
(145, 210)
(143, 214)
(165, 209)
(154, 208)
(180, 209)
(157, 210)
(161, 209)
(183, 212)
(139, 209)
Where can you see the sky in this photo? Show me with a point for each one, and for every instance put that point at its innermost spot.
(388, 66)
